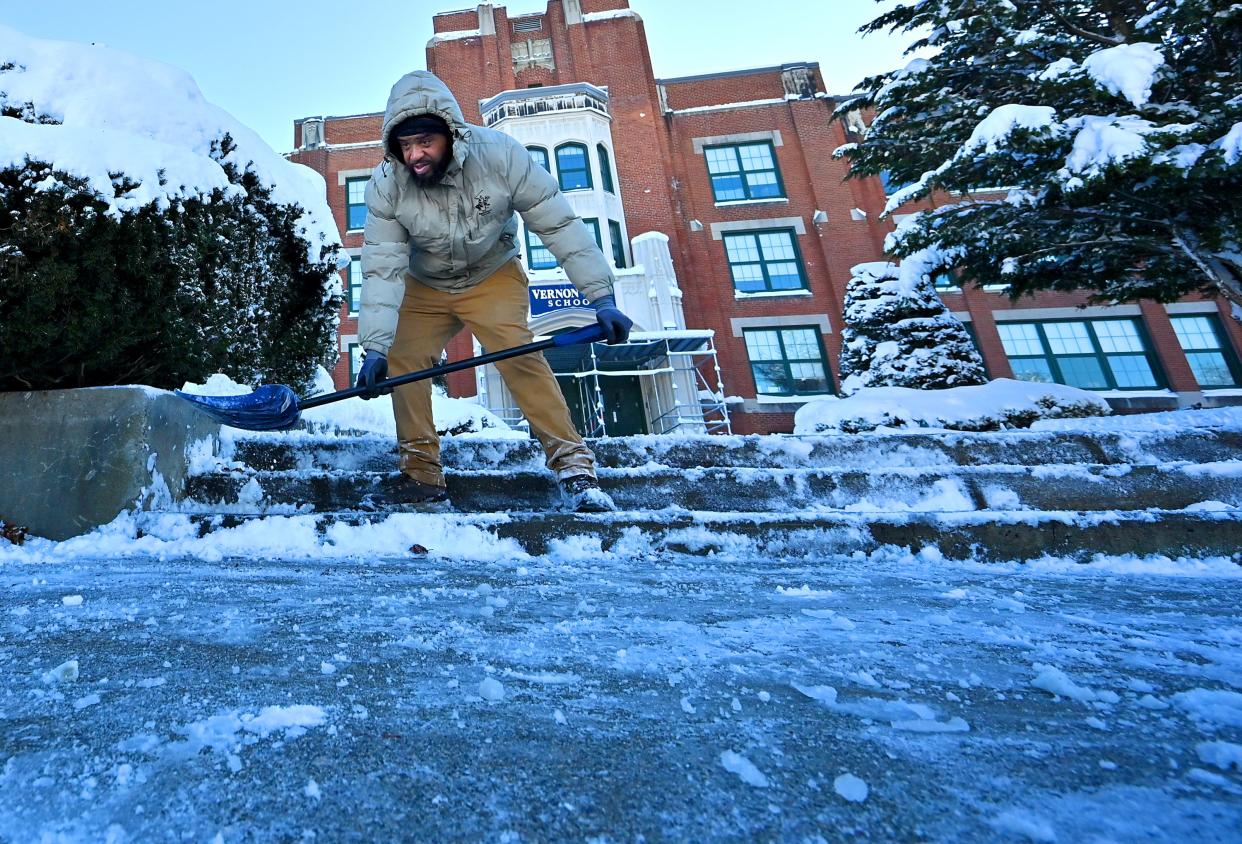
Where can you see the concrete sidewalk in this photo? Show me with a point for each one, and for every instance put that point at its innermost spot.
(665, 698)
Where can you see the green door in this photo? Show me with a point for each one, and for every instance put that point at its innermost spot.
(623, 404)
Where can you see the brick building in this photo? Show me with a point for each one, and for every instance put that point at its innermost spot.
(733, 231)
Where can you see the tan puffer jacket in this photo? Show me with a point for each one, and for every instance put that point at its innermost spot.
(457, 233)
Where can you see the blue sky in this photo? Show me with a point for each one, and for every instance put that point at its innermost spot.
(270, 62)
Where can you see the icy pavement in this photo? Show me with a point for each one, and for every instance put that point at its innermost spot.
(584, 698)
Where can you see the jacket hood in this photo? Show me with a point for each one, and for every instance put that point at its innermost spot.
(422, 92)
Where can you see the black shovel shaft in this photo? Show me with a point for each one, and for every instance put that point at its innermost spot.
(423, 374)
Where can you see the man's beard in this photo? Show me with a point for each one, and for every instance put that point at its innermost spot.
(433, 176)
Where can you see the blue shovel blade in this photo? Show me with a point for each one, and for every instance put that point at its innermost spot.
(272, 407)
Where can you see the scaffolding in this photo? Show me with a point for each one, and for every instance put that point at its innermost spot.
(687, 360)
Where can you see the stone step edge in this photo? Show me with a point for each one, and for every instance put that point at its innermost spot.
(985, 537)
(662, 470)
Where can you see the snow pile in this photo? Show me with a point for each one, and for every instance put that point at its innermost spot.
(455, 417)
(1127, 69)
(994, 129)
(1003, 403)
(93, 112)
(293, 537)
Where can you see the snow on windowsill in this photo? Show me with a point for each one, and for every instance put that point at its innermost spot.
(774, 200)
(786, 399)
(727, 106)
(773, 294)
(1222, 391)
(1135, 394)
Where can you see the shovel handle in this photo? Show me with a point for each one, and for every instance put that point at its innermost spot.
(586, 334)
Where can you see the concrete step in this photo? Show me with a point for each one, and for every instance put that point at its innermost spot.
(987, 537)
(372, 453)
(1091, 487)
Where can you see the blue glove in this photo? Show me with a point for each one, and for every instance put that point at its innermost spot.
(374, 369)
(616, 325)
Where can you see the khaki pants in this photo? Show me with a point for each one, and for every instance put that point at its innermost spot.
(495, 312)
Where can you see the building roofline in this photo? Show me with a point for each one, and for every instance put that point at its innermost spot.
(338, 116)
(750, 71)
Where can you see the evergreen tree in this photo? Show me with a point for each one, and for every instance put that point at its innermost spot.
(1115, 124)
(164, 294)
(899, 334)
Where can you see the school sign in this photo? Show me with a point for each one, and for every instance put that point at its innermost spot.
(558, 296)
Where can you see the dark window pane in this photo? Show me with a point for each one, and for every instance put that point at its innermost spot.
(618, 245)
(1131, 371)
(605, 168)
(1084, 373)
(772, 379)
(1026, 369)
(1210, 369)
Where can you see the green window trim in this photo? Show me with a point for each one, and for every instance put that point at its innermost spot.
(618, 244)
(771, 362)
(755, 257)
(1208, 351)
(353, 281)
(570, 174)
(744, 172)
(356, 203)
(1031, 347)
(539, 257)
(605, 169)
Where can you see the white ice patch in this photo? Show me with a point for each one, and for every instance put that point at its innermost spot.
(1221, 754)
(492, 690)
(66, 672)
(745, 769)
(851, 788)
(1054, 680)
(1216, 706)
(1023, 823)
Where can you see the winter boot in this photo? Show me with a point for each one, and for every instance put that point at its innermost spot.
(404, 492)
(583, 495)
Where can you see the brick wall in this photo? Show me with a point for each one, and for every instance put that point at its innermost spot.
(724, 89)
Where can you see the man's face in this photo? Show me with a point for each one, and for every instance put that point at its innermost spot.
(426, 156)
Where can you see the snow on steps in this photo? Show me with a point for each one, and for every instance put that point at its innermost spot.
(1013, 495)
(979, 536)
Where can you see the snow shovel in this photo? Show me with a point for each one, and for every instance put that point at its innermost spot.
(275, 407)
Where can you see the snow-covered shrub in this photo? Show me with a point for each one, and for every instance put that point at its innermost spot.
(995, 406)
(148, 237)
(899, 334)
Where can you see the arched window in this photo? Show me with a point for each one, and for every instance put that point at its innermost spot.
(541, 157)
(573, 167)
(605, 168)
